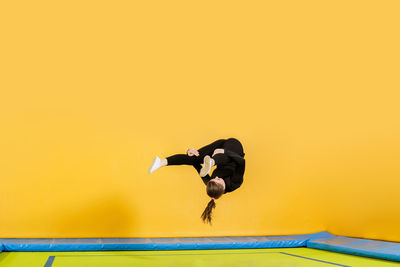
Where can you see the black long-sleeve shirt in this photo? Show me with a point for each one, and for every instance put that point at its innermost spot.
(232, 172)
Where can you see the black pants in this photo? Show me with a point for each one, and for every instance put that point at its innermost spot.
(231, 144)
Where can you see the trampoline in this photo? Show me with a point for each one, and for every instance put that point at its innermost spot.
(244, 257)
(320, 249)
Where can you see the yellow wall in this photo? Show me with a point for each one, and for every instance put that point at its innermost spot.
(90, 93)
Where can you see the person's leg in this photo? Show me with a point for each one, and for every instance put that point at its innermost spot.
(205, 154)
(182, 159)
(209, 149)
(231, 144)
(178, 159)
(234, 145)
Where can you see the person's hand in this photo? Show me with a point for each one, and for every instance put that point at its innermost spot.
(192, 152)
(218, 151)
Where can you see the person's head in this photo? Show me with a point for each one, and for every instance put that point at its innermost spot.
(215, 189)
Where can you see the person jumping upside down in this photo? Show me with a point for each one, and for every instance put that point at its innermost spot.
(228, 157)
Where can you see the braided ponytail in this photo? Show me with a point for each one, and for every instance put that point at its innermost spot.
(206, 216)
(215, 191)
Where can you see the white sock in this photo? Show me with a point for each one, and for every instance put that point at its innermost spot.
(155, 165)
